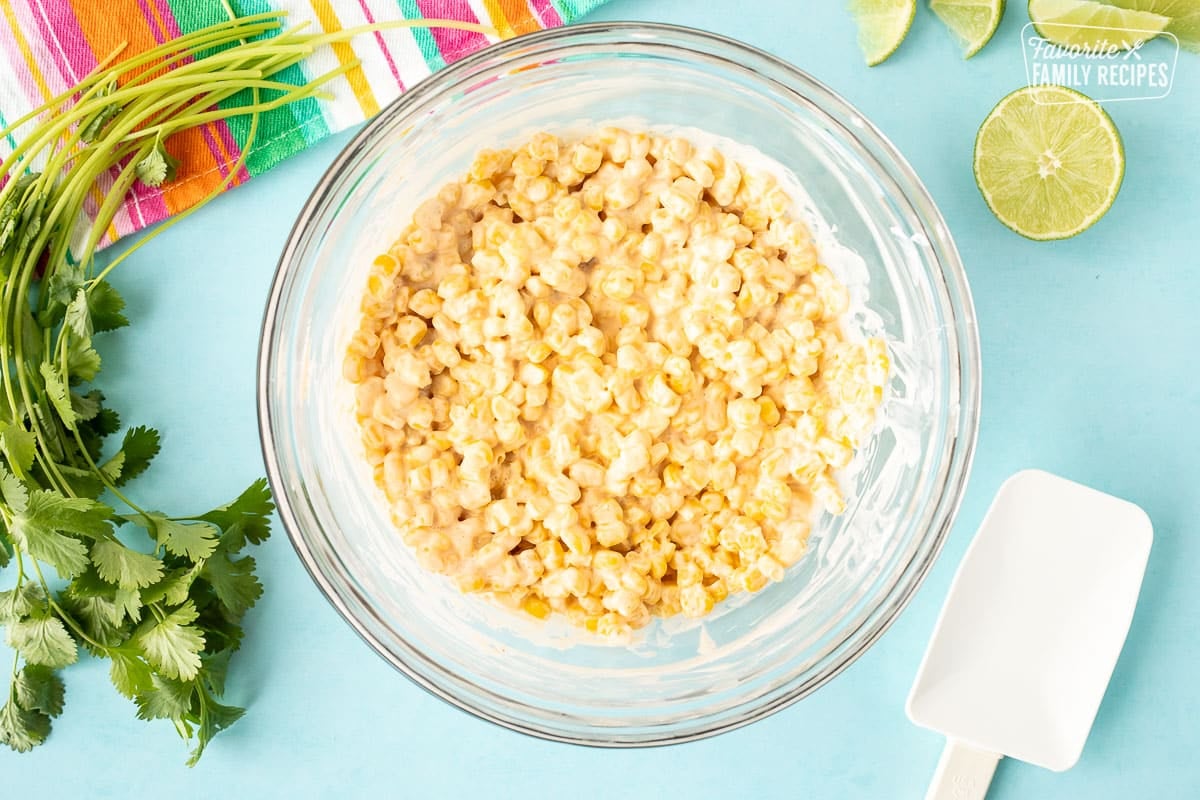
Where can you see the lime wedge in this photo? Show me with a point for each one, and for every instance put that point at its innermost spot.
(1184, 16)
(1048, 161)
(1082, 23)
(971, 21)
(882, 26)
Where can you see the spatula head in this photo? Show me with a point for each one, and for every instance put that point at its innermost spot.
(1034, 622)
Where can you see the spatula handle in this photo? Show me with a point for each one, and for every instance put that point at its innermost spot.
(963, 773)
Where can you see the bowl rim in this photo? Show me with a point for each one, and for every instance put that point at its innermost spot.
(958, 454)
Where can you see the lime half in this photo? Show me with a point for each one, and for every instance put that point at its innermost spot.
(882, 26)
(1048, 161)
(971, 21)
(1082, 23)
(1184, 16)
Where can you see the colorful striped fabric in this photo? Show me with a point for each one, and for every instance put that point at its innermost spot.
(46, 46)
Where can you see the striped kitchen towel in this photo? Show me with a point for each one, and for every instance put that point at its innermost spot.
(46, 46)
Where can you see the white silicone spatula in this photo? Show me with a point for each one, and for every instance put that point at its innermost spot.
(1031, 630)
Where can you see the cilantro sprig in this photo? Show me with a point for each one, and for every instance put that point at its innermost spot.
(161, 596)
(168, 616)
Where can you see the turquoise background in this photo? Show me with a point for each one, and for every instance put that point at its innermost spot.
(1091, 370)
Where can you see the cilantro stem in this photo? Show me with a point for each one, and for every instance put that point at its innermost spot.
(60, 99)
(16, 672)
(296, 93)
(108, 483)
(76, 627)
(160, 57)
(17, 552)
(37, 568)
(234, 169)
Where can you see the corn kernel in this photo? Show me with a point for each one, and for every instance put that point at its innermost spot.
(575, 350)
(536, 607)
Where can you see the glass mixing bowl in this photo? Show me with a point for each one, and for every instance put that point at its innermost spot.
(679, 679)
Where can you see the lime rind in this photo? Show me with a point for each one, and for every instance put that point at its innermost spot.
(1184, 16)
(882, 26)
(972, 22)
(1054, 207)
(1074, 23)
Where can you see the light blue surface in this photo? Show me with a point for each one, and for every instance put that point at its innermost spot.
(1090, 353)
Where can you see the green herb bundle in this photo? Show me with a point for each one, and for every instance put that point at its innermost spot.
(160, 595)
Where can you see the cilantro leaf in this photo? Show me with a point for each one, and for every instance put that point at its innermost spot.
(43, 641)
(194, 540)
(67, 279)
(106, 305)
(86, 406)
(214, 718)
(221, 632)
(8, 226)
(173, 645)
(125, 567)
(111, 469)
(33, 216)
(21, 187)
(100, 608)
(91, 130)
(165, 699)
(215, 668)
(75, 514)
(89, 584)
(23, 212)
(252, 509)
(39, 688)
(106, 423)
(173, 589)
(96, 124)
(127, 603)
(152, 169)
(10, 212)
(48, 527)
(65, 553)
(130, 601)
(83, 482)
(79, 315)
(14, 492)
(102, 617)
(56, 390)
(20, 601)
(141, 444)
(19, 446)
(83, 362)
(233, 581)
(157, 166)
(129, 674)
(22, 730)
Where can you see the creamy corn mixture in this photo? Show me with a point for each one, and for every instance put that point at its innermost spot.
(605, 378)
